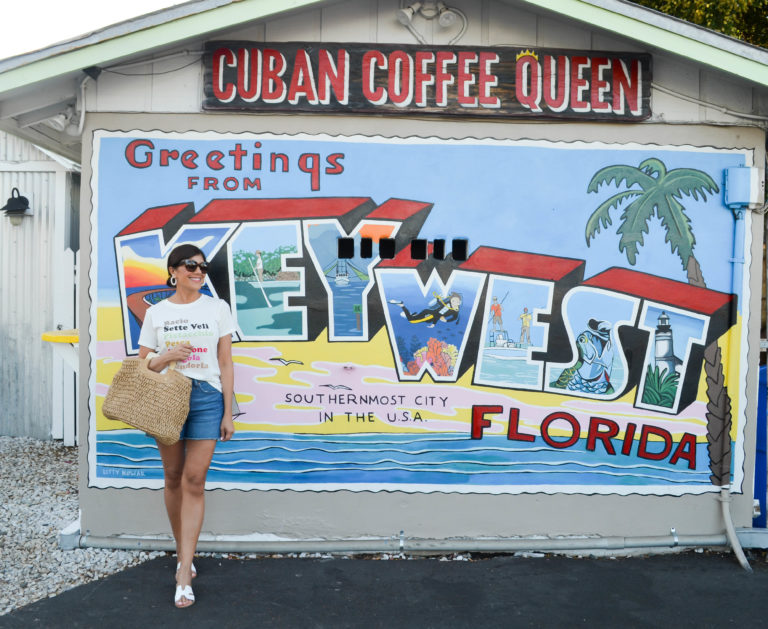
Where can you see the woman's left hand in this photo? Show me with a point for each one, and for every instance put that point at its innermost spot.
(227, 427)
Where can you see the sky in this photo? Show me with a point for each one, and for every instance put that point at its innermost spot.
(33, 24)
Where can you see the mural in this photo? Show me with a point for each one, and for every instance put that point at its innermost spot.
(427, 315)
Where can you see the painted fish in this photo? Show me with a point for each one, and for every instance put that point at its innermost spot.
(592, 371)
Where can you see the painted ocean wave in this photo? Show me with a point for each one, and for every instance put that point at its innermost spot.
(257, 458)
(307, 465)
(230, 446)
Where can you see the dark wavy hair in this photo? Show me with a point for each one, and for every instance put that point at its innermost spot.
(178, 255)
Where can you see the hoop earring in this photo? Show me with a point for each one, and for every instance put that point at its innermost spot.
(173, 280)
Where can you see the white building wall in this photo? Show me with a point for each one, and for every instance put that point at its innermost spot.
(298, 515)
(30, 259)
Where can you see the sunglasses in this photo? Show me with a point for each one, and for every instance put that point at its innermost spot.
(191, 266)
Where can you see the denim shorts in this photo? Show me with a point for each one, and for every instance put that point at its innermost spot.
(206, 407)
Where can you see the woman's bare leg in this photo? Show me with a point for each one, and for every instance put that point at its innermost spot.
(173, 467)
(196, 462)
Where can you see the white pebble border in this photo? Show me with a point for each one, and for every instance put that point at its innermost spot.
(38, 494)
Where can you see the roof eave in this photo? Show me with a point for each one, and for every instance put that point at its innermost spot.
(78, 54)
(666, 33)
(111, 31)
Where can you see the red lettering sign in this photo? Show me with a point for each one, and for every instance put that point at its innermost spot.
(500, 81)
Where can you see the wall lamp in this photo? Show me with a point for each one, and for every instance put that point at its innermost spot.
(405, 15)
(446, 17)
(17, 207)
(429, 10)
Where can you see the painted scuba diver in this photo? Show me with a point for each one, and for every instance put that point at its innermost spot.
(592, 371)
(446, 309)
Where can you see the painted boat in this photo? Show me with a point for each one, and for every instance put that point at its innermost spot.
(499, 346)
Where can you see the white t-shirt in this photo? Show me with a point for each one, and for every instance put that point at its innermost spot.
(200, 324)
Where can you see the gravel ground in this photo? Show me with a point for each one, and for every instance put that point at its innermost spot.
(38, 494)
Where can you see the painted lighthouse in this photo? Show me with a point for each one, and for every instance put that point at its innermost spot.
(664, 349)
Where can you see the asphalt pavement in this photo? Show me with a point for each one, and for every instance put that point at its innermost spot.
(682, 590)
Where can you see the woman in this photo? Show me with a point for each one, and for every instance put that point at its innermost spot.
(194, 331)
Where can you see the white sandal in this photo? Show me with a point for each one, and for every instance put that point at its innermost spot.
(184, 592)
(192, 569)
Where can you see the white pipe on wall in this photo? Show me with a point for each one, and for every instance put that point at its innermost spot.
(737, 274)
(401, 544)
(733, 540)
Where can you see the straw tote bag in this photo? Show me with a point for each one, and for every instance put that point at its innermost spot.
(157, 403)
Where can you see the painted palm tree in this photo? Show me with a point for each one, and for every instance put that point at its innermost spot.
(653, 190)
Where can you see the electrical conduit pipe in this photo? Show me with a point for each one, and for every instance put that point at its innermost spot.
(737, 260)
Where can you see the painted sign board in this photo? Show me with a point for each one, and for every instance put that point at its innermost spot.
(443, 80)
(437, 315)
